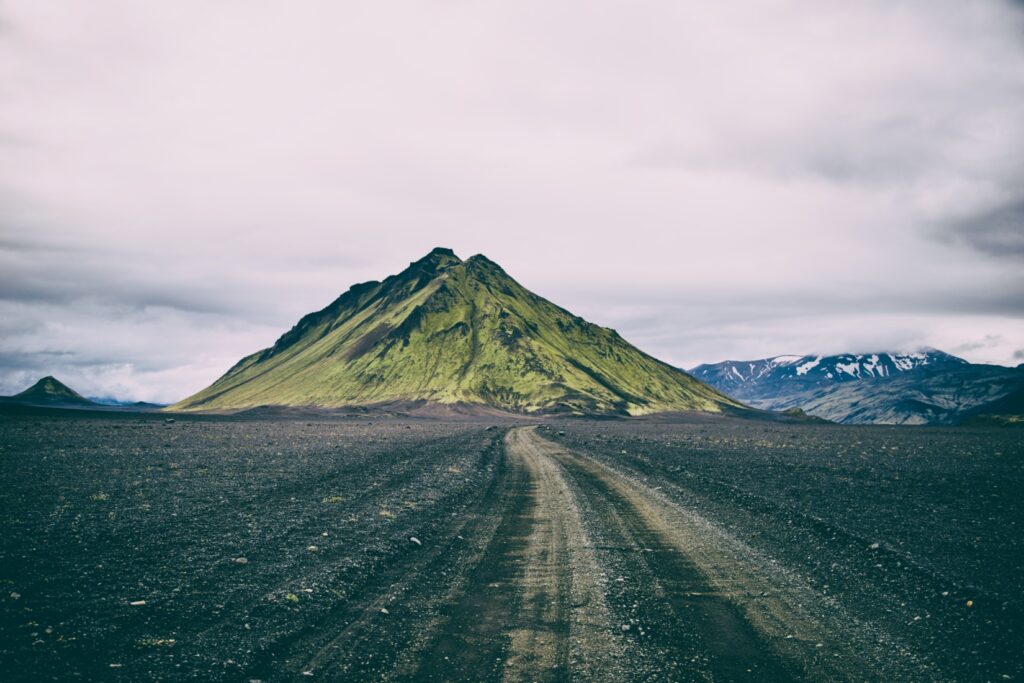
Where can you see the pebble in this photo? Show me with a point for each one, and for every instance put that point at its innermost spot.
(384, 610)
(413, 539)
(241, 560)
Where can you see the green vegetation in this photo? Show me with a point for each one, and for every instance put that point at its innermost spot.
(50, 390)
(454, 332)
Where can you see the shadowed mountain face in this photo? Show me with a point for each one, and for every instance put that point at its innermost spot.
(449, 331)
(50, 391)
(929, 387)
(783, 376)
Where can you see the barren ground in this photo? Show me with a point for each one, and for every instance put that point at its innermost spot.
(354, 549)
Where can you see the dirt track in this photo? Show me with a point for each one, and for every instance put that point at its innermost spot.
(589, 575)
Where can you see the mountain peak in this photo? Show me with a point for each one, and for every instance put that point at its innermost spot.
(49, 389)
(447, 331)
(439, 256)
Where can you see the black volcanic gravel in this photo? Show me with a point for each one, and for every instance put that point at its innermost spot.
(253, 543)
(217, 525)
(904, 525)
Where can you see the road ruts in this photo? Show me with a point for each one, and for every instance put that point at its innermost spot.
(572, 571)
(533, 607)
(701, 606)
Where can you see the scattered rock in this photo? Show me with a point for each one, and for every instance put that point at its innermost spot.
(384, 610)
(312, 548)
(241, 560)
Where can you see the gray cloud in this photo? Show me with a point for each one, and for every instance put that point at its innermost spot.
(998, 231)
(179, 185)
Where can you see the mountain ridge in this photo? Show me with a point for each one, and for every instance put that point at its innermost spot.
(925, 387)
(782, 375)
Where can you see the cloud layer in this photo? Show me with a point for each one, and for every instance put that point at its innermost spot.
(179, 182)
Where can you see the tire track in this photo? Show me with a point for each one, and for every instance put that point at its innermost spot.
(532, 609)
(713, 609)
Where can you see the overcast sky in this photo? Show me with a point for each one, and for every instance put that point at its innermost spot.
(181, 181)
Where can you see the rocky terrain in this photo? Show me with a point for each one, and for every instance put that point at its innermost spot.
(697, 548)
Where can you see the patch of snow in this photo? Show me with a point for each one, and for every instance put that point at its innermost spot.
(851, 369)
(804, 368)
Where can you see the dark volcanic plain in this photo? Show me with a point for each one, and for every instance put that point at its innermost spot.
(380, 549)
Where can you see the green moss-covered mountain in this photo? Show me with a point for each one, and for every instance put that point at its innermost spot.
(449, 331)
(50, 391)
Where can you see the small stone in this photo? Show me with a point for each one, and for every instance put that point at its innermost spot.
(384, 610)
(414, 540)
(241, 560)
(625, 627)
(137, 603)
(875, 546)
(15, 595)
(312, 548)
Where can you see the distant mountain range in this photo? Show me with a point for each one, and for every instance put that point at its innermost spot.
(448, 332)
(926, 387)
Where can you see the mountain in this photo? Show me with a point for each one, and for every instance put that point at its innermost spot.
(448, 331)
(783, 376)
(930, 387)
(50, 391)
(121, 403)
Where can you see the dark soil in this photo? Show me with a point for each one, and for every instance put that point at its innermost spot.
(266, 549)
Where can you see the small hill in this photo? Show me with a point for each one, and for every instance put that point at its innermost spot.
(450, 332)
(49, 391)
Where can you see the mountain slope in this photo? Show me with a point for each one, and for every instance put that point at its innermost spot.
(783, 376)
(454, 332)
(941, 394)
(50, 391)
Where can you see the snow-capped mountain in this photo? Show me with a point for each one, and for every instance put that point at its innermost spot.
(783, 375)
(926, 387)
